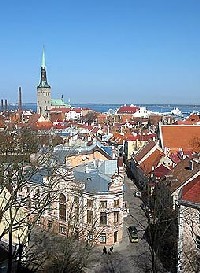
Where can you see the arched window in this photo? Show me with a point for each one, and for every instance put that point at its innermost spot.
(62, 207)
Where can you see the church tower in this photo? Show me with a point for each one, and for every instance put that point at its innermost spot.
(43, 92)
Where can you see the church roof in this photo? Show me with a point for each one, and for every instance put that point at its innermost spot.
(58, 102)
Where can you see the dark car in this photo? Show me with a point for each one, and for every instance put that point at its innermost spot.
(133, 234)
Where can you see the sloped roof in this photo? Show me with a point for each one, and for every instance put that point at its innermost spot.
(179, 136)
(130, 137)
(191, 191)
(131, 109)
(58, 102)
(182, 172)
(140, 137)
(175, 157)
(161, 171)
(151, 161)
(60, 109)
(117, 138)
(96, 179)
(142, 152)
(194, 117)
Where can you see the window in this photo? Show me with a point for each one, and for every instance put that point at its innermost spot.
(102, 238)
(89, 216)
(62, 207)
(62, 229)
(198, 242)
(103, 218)
(76, 204)
(90, 236)
(115, 236)
(49, 224)
(103, 204)
(116, 216)
(116, 203)
(89, 203)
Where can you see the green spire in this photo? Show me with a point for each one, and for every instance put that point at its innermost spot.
(43, 80)
(43, 58)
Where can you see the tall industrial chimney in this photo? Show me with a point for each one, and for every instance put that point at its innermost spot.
(20, 99)
(1, 105)
(6, 105)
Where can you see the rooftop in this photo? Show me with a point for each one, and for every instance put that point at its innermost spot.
(96, 175)
(191, 191)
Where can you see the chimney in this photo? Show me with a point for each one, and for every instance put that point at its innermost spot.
(6, 105)
(1, 105)
(191, 165)
(20, 99)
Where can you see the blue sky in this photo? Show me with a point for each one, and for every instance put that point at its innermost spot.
(102, 51)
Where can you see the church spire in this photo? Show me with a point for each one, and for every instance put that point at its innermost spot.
(43, 79)
(43, 59)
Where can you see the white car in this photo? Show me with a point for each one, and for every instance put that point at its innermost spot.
(137, 194)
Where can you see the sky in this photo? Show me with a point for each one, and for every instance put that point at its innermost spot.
(102, 51)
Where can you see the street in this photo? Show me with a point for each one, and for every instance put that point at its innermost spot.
(126, 257)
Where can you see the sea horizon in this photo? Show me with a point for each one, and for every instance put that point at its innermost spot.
(186, 109)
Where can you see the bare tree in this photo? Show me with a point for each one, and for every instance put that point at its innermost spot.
(189, 258)
(23, 199)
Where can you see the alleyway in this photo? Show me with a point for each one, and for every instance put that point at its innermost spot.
(126, 257)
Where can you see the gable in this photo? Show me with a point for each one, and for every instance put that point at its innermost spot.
(144, 151)
(151, 161)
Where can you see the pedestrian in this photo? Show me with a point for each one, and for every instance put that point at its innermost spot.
(111, 249)
(104, 250)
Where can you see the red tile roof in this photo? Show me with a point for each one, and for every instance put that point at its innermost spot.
(161, 171)
(191, 191)
(151, 161)
(175, 158)
(182, 173)
(179, 136)
(141, 153)
(117, 138)
(60, 109)
(129, 137)
(127, 109)
(43, 125)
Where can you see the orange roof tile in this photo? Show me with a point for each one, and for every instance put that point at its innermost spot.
(141, 153)
(179, 136)
(151, 161)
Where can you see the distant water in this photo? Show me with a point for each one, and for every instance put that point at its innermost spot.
(161, 108)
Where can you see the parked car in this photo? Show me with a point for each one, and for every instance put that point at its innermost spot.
(133, 234)
(148, 213)
(143, 206)
(137, 194)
